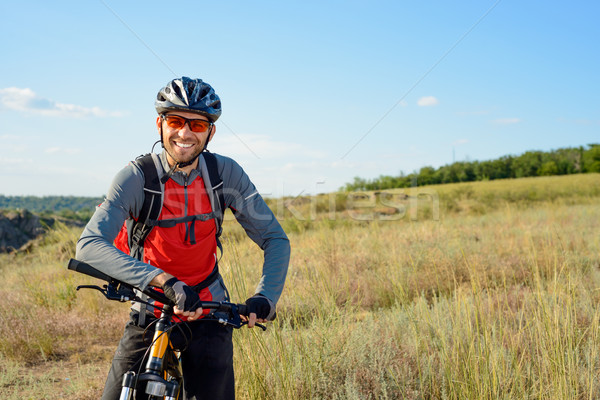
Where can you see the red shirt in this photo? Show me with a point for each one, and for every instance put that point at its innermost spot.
(175, 250)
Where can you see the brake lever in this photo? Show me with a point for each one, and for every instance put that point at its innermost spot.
(235, 321)
(110, 292)
(261, 326)
(98, 288)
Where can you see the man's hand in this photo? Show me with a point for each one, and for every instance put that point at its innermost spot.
(260, 309)
(185, 299)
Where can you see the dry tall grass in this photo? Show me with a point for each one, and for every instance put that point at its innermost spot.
(495, 299)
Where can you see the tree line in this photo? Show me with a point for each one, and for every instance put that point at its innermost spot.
(71, 207)
(531, 163)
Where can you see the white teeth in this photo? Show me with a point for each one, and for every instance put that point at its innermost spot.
(184, 145)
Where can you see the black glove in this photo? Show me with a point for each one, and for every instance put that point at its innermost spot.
(181, 294)
(262, 307)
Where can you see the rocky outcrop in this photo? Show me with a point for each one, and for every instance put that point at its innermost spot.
(17, 228)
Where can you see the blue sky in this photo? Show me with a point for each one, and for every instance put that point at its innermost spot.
(314, 93)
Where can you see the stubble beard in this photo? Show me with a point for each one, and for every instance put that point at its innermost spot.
(180, 160)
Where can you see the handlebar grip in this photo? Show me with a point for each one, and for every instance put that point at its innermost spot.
(243, 309)
(80, 266)
(158, 296)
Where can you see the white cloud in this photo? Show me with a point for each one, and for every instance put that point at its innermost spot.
(427, 101)
(15, 161)
(11, 144)
(581, 121)
(460, 141)
(469, 113)
(506, 121)
(59, 150)
(26, 100)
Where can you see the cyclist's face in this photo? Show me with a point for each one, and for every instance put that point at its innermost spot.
(183, 145)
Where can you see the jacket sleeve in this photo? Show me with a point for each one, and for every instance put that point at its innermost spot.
(95, 246)
(260, 225)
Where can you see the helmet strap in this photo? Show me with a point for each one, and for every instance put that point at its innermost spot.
(185, 164)
(161, 137)
(154, 145)
(166, 177)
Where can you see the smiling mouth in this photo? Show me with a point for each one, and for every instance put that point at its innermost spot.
(183, 145)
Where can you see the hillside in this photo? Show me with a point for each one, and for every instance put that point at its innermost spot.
(17, 228)
(433, 201)
(20, 228)
(25, 218)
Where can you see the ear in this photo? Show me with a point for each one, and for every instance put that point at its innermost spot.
(158, 123)
(212, 133)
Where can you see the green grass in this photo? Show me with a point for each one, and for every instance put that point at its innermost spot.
(495, 299)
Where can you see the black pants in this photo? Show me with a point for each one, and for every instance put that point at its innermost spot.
(207, 361)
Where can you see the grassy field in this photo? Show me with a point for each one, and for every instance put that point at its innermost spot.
(466, 291)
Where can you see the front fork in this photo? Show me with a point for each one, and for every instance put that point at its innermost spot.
(156, 385)
(169, 390)
(160, 342)
(128, 385)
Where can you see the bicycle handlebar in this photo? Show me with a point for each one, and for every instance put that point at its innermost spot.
(81, 267)
(87, 269)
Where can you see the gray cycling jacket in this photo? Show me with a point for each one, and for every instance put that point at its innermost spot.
(126, 196)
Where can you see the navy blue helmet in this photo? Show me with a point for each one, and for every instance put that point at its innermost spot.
(189, 95)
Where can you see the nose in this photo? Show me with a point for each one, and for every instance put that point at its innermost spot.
(185, 130)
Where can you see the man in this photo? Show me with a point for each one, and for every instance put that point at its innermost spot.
(179, 254)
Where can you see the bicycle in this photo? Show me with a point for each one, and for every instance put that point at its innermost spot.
(163, 375)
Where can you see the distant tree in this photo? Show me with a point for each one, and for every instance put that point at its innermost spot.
(470, 172)
(548, 168)
(357, 184)
(527, 164)
(591, 159)
(426, 176)
(531, 163)
(568, 161)
(50, 204)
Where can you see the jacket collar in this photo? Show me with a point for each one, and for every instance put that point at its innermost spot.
(179, 177)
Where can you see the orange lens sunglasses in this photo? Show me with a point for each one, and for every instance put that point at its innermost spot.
(196, 125)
